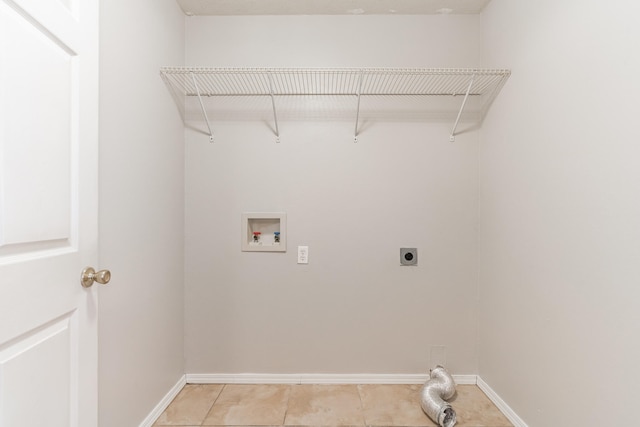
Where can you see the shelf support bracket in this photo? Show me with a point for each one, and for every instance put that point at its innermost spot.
(452, 137)
(204, 112)
(355, 137)
(273, 105)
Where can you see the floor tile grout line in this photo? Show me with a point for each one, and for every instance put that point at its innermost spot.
(364, 419)
(214, 402)
(286, 410)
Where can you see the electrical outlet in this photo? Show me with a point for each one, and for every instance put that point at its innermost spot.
(303, 254)
(408, 256)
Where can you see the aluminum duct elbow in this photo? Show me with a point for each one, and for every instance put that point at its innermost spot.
(439, 387)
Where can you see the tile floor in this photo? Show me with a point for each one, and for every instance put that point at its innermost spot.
(320, 405)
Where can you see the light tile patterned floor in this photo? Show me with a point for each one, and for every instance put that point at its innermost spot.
(320, 405)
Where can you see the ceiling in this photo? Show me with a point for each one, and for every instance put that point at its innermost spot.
(331, 7)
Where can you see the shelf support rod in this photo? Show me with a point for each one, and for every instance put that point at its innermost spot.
(355, 138)
(452, 137)
(273, 104)
(204, 112)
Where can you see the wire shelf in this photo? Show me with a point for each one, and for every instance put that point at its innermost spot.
(482, 85)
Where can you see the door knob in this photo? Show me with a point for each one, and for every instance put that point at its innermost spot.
(89, 276)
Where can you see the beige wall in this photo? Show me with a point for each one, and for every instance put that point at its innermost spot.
(141, 209)
(353, 309)
(560, 212)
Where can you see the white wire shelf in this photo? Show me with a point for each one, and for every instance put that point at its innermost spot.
(480, 86)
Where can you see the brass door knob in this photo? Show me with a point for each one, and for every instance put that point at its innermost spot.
(89, 276)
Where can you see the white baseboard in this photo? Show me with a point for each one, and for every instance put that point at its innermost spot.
(319, 379)
(501, 404)
(162, 405)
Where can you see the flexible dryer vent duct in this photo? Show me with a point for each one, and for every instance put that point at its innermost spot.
(438, 388)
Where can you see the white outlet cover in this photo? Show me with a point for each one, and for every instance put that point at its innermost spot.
(303, 254)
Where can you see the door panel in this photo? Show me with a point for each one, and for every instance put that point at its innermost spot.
(48, 212)
(36, 207)
(42, 359)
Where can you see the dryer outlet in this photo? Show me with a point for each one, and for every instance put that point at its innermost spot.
(408, 256)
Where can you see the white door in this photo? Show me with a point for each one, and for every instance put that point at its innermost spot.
(48, 212)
